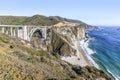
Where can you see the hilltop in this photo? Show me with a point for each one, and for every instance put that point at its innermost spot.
(34, 20)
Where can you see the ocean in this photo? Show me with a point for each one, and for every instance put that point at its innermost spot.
(105, 43)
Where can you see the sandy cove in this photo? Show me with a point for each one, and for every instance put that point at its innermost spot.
(82, 57)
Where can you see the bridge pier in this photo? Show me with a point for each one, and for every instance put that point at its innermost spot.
(20, 32)
(45, 33)
(11, 31)
(6, 31)
(25, 33)
(3, 30)
(14, 33)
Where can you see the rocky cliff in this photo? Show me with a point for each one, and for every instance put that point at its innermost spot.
(65, 40)
(20, 60)
(66, 35)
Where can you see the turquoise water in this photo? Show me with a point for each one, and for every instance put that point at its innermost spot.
(105, 42)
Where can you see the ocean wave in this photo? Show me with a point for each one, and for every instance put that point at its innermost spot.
(86, 46)
(106, 45)
(115, 76)
(108, 71)
(88, 52)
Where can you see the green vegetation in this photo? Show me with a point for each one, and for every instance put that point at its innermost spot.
(11, 20)
(4, 39)
(19, 61)
(68, 20)
(23, 20)
(38, 20)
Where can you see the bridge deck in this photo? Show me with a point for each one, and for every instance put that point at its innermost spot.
(22, 26)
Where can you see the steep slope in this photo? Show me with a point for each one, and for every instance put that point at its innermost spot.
(58, 18)
(35, 20)
(12, 20)
(19, 60)
(39, 20)
(24, 20)
(65, 41)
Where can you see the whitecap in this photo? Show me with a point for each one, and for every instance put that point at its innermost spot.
(88, 51)
(115, 76)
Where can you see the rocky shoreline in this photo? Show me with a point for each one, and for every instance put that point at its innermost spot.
(88, 52)
(83, 57)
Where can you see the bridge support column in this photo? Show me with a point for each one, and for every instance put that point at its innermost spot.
(6, 31)
(3, 30)
(45, 33)
(27, 30)
(14, 34)
(11, 31)
(18, 32)
(25, 33)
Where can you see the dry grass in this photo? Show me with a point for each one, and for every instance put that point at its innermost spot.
(18, 62)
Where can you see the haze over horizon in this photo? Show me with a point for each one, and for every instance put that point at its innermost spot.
(94, 12)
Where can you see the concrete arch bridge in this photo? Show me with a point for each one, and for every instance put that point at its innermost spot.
(24, 32)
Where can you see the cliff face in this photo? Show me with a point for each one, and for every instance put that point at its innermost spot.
(64, 37)
(60, 45)
(19, 60)
(72, 33)
(65, 41)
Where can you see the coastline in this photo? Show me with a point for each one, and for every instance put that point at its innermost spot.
(87, 52)
(83, 56)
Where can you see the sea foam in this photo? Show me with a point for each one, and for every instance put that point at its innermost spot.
(115, 76)
(88, 52)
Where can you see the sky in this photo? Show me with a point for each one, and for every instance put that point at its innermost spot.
(93, 12)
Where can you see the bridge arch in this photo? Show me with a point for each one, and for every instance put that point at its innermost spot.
(39, 30)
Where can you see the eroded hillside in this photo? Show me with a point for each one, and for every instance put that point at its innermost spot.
(19, 60)
(46, 59)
